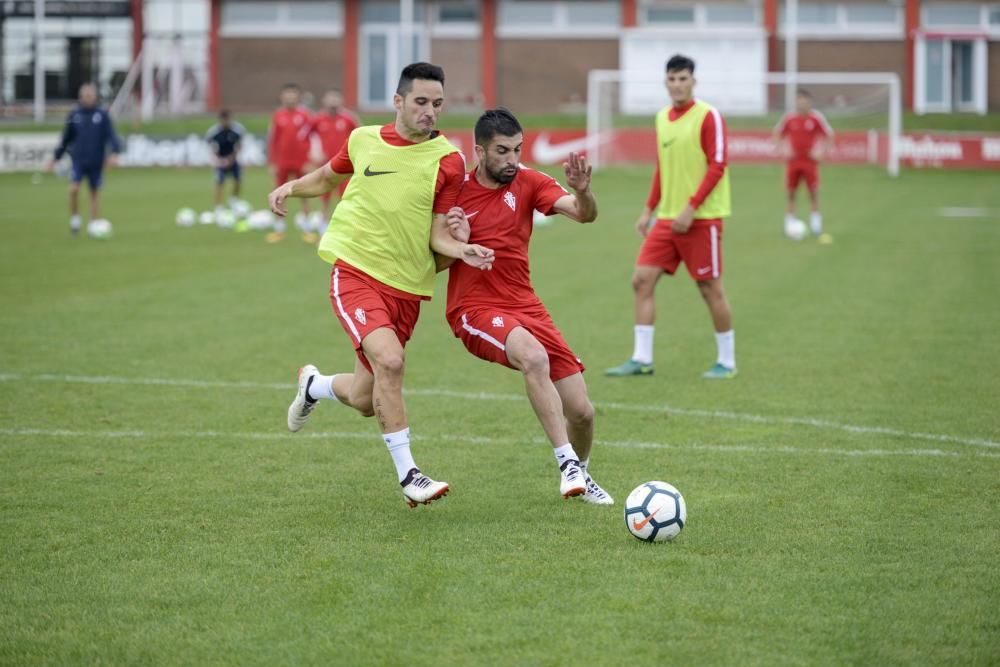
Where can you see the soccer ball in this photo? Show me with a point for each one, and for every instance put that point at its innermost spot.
(224, 218)
(240, 208)
(655, 512)
(207, 218)
(186, 217)
(795, 229)
(259, 220)
(99, 229)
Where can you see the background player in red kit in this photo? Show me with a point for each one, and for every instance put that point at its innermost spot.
(497, 314)
(288, 153)
(803, 137)
(333, 124)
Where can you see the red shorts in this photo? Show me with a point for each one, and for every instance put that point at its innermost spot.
(363, 304)
(284, 174)
(484, 331)
(802, 170)
(700, 249)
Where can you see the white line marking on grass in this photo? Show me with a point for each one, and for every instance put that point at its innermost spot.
(487, 396)
(964, 212)
(483, 440)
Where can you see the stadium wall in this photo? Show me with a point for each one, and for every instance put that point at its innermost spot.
(255, 68)
(538, 75)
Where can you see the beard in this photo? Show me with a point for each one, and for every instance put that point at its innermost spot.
(502, 177)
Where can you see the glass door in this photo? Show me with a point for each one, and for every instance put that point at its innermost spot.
(384, 53)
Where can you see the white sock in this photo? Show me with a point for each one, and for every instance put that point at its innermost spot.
(322, 387)
(583, 465)
(726, 342)
(565, 453)
(399, 448)
(74, 222)
(279, 225)
(643, 349)
(816, 222)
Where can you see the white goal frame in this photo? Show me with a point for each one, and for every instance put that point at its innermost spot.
(601, 77)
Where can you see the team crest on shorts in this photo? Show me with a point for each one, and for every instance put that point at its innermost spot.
(498, 322)
(359, 315)
(510, 200)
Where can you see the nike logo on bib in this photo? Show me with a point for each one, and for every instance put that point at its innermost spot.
(368, 172)
(666, 144)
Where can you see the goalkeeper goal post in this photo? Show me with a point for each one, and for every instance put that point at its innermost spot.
(863, 108)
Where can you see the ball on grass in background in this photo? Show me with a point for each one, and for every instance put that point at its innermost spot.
(655, 512)
(207, 218)
(796, 230)
(186, 217)
(99, 229)
(225, 219)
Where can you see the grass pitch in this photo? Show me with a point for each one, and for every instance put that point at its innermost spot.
(843, 494)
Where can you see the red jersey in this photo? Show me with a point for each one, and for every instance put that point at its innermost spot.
(451, 169)
(333, 130)
(501, 219)
(713, 145)
(802, 132)
(288, 139)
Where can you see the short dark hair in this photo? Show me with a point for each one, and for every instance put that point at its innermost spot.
(802, 92)
(224, 114)
(494, 122)
(418, 71)
(678, 62)
(292, 86)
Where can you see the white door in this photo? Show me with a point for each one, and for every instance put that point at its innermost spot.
(384, 54)
(951, 75)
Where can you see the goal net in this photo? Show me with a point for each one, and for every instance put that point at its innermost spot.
(863, 109)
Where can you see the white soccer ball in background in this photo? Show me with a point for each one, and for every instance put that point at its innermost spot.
(186, 217)
(795, 229)
(225, 219)
(539, 219)
(240, 208)
(99, 229)
(655, 512)
(207, 218)
(259, 220)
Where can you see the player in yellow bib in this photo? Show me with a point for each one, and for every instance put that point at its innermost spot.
(690, 194)
(381, 242)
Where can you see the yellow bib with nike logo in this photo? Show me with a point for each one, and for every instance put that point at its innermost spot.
(683, 165)
(382, 225)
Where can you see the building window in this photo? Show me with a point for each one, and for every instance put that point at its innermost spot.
(282, 18)
(958, 14)
(559, 18)
(840, 20)
(700, 15)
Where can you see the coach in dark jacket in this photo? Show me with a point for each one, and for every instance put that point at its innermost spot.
(86, 137)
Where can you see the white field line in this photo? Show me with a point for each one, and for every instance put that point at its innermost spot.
(822, 424)
(481, 440)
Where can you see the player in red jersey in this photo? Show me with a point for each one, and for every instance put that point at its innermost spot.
(803, 137)
(380, 241)
(288, 153)
(497, 314)
(333, 124)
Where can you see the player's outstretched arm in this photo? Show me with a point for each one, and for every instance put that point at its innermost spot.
(443, 243)
(580, 206)
(458, 227)
(315, 183)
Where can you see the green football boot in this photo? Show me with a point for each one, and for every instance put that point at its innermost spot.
(719, 372)
(630, 367)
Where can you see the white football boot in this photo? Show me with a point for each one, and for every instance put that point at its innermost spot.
(302, 406)
(419, 489)
(595, 494)
(572, 481)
